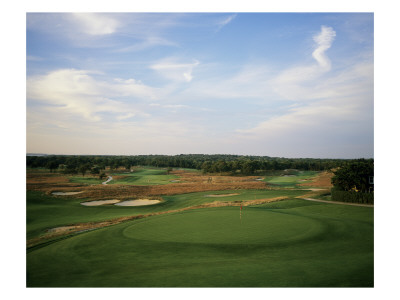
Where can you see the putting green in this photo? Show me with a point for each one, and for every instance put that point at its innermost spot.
(225, 227)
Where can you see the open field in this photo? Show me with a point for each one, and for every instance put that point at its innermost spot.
(195, 236)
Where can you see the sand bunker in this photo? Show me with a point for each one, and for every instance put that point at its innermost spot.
(65, 193)
(138, 202)
(60, 229)
(100, 202)
(222, 195)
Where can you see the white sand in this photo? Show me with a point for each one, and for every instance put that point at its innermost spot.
(100, 202)
(138, 202)
(65, 193)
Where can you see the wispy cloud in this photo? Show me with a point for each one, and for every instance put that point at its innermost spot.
(147, 42)
(340, 117)
(292, 83)
(78, 92)
(33, 58)
(176, 71)
(324, 41)
(225, 22)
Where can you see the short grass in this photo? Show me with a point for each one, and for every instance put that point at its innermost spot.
(291, 243)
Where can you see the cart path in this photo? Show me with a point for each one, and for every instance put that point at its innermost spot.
(108, 180)
(336, 202)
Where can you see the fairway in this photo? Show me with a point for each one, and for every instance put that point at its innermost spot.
(292, 180)
(291, 243)
(143, 177)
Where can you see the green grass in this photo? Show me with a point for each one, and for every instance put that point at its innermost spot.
(44, 211)
(291, 243)
(139, 177)
(144, 177)
(290, 181)
(86, 179)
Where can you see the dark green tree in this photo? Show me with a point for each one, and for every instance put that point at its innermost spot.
(354, 175)
(52, 165)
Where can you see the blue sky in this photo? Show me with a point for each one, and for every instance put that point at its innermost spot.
(276, 84)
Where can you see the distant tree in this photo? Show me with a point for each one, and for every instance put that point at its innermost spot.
(95, 170)
(102, 175)
(70, 170)
(83, 168)
(52, 165)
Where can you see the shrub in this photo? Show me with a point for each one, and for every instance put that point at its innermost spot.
(353, 197)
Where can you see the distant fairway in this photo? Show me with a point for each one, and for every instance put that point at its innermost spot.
(139, 177)
(144, 177)
(290, 181)
(287, 243)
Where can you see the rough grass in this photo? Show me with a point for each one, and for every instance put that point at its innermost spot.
(292, 243)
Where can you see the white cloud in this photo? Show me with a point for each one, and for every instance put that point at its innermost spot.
(294, 83)
(324, 41)
(94, 23)
(78, 92)
(340, 116)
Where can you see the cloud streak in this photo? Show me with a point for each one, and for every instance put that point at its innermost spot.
(175, 71)
(225, 22)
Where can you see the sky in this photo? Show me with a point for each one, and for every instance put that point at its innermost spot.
(274, 84)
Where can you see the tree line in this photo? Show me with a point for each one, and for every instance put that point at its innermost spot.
(208, 163)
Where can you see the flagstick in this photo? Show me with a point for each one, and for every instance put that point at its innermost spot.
(240, 214)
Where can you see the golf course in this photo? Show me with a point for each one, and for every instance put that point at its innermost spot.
(225, 232)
